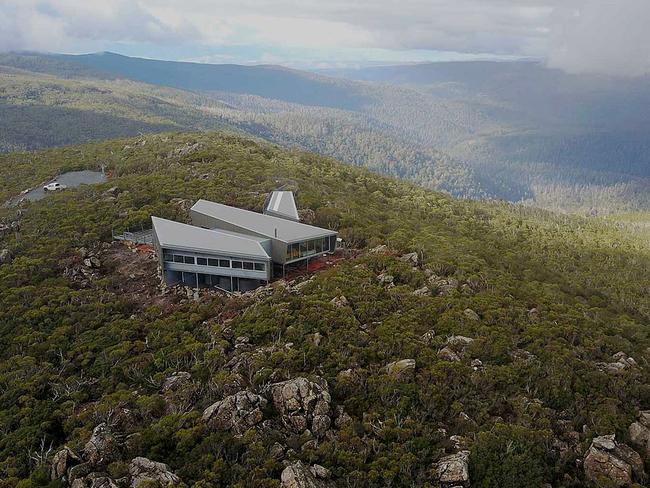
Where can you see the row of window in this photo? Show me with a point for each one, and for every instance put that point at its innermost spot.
(308, 248)
(219, 263)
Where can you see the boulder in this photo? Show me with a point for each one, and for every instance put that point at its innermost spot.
(411, 258)
(62, 461)
(429, 336)
(621, 362)
(402, 370)
(112, 192)
(5, 256)
(144, 470)
(102, 446)
(176, 381)
(640, 432)
(340, 301)
(298, 475)
(381, 249)
(421, 292)
(471, 314)
(303, 405)
(459, 341)
(453, 470)
(237, 413)
(385, 279)
(616, 463)
(443, 286)
(446, 354)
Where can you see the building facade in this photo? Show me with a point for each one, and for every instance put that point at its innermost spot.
(232, 248)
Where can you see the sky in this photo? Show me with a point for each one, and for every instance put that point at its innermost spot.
(602, 36)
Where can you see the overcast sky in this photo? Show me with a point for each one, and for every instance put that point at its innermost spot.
(610, 36)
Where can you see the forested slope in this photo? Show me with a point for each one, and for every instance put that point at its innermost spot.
(514, 319)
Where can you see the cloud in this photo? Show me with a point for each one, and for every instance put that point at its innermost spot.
(601, 36)
(575, 35)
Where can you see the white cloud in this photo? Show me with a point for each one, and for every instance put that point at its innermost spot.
(575, 35)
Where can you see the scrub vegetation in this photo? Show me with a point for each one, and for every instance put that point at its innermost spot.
(545, 301)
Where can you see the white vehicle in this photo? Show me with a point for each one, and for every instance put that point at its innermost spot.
(54, 186)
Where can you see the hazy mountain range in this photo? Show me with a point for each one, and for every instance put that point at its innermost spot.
(511, 130)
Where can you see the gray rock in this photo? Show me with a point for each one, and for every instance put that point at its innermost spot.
(62, 461)
(237, 413)
(302, 405)
(446, 354)
(471, 314)
(453, 470)
(421, 292)
(402, 370)
(640, 432)
(176, 381)
(144, 470)
(297, 475)
(5, 256)
(102, 446)
(411, 258)
(459, 341)
(386, 279)
(112, 192)
(429, 336)
(340, 301)
(381, 249)
(617, 463)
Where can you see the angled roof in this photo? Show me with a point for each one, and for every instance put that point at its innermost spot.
(281, 204)
(266, 225)
(191, 238)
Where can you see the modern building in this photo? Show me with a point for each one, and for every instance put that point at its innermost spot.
(281, 204)
(236, 249)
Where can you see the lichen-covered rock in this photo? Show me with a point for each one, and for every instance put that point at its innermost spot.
(297, 475)
(62, 461)
(411, 258)
(640, 432)
(386, 279)
(303, 405)
(402, 370)
(421, 292)
(611, 462)
(443, 286)
(621, 362)
(237, 413)
(459, 341)
(453, 470)
(102, 446)
(144, 470)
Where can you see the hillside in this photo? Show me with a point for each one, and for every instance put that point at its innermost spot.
(513, 131)
(528, 333)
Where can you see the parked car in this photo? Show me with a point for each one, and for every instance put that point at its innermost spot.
(54, 186)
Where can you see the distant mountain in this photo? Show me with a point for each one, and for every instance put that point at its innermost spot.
(511, 130)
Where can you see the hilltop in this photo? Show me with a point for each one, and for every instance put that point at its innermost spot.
(506, 337)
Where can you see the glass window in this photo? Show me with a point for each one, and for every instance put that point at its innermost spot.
(189, 259)
(303, 248)
(224, 263)
(178, 258)
(295, 251)
(168, 257)
(326, 242)
(237, 264)
(319, 245)
(213, 262)
(202, 261)
(259, 266)
(311, 246)
(248, 265)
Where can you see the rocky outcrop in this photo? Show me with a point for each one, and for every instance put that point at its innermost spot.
(176, 381)
(102, 446)
(453, 470)
(402, 370)
(621, 362)
(303, 405)
(443, 286)
(609, 463)
(298, 475)
(385, 279)
(237, 413)
(471, 315)
(62, 461)
(640, 432)
(143, 470)
(447, 354)
(421, 292)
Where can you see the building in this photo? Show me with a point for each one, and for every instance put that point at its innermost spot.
(281, 204)
(236, 249)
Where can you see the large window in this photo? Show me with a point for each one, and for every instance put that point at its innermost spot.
(202, 261)
(178, 258)
(224, 263)
(259, 266)
(189, 259)
(307, 248)
(237, 264)
(248, 265)
(213, 262)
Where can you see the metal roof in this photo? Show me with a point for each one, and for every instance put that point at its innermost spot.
(189, 237)
(267, 225)
(281, 204)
